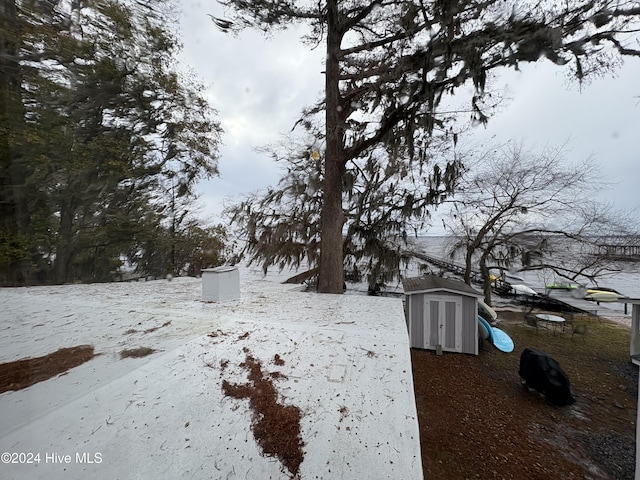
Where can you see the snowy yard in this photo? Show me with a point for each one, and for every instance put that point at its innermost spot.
(342, 360)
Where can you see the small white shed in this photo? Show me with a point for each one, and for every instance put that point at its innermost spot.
(441, 314)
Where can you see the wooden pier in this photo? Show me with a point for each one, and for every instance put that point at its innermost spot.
(619, 251)
(564, 297)
(458, 269)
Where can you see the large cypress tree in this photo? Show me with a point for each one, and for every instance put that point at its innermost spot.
(391, 65)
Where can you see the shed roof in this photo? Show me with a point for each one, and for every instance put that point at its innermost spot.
(429, 283)
(332, 348)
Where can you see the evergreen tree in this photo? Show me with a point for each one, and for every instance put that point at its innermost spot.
(107, 125)
(13, 212)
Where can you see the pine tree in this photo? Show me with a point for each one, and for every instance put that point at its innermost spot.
(107, 125)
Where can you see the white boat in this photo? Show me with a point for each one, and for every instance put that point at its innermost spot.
(486, 311)
(523, 290)
(604, 296)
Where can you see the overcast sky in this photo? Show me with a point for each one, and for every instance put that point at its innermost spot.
(260, 85)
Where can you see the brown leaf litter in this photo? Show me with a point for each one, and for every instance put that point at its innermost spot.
(276, 427)
(25, 372)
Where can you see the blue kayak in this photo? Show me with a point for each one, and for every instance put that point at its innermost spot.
(498, 338)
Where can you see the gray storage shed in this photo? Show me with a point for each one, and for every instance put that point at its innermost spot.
(441, 314)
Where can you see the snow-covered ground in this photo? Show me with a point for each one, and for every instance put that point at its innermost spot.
(346, 366)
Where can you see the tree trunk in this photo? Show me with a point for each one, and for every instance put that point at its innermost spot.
(64, 248)
(467, 264)
(486, 280)
(331, 267)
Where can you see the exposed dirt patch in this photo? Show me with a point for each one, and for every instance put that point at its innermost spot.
(153, 329)
(344, 412)
(148, 330)
(276, 427)
(137, 352)
(215, 333)
(478, 421)
(23, 373)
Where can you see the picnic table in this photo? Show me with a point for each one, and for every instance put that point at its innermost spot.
(554, 321)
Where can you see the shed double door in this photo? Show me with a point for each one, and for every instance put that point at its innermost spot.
(443, 323)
